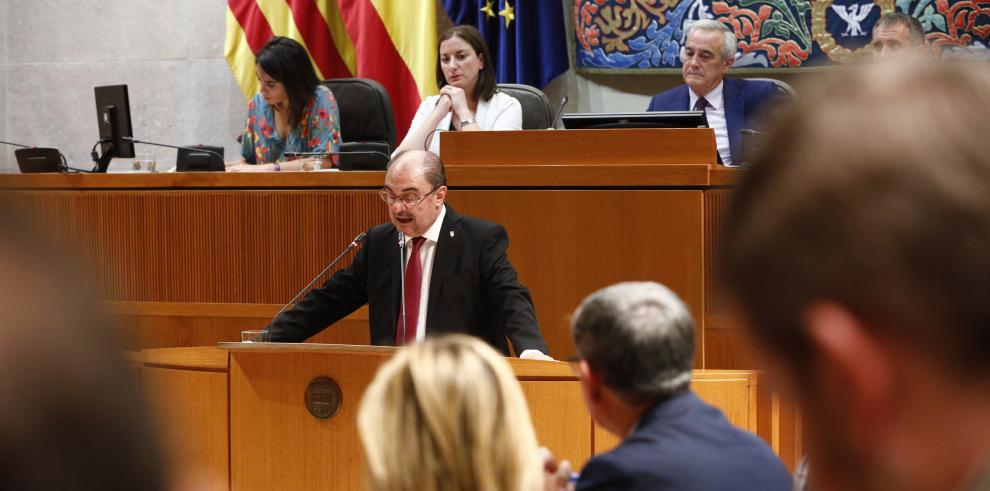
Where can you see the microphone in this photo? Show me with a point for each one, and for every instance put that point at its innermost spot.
(16, 144)
(354, 243)
(402, 283)
(191, 149)
(560, 111)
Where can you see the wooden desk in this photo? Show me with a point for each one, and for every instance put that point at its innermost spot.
(192, 259)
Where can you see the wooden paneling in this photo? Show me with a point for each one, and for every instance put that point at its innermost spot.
(559, 417)
(171, 324)
(203, 180)
(618, 175)
(191, 408)
(268, 417)
(209, 246)
(275, 442)
(567, 244)
(580, 147)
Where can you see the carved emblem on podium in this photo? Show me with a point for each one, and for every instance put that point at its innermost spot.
(323, 397)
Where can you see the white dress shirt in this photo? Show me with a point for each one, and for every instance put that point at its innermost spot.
(501, 112)
(715, 112)
(426, 253)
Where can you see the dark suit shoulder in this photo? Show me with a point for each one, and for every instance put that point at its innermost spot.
(754, 92)
(684, 443)
(674, 99)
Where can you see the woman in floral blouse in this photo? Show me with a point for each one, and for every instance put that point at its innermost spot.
(293, 113)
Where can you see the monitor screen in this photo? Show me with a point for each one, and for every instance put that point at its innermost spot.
(655, 119)
(113, 113)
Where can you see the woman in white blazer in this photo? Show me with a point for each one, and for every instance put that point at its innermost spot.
(469, 99)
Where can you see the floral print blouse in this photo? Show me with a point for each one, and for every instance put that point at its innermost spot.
(319, 130)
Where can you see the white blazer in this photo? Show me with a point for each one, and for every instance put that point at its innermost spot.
(501, 112)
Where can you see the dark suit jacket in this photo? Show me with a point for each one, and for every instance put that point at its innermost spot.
(684, 444)
(744, 101)
(473, 289)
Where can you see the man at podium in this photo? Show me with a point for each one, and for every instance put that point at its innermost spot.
(429, 271)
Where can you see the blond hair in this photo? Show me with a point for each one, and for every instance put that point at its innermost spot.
(448, 414)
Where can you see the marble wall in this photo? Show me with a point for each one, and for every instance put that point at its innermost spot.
(170, 54)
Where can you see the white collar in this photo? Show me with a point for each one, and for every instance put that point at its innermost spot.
(714, 97)
(433, 233)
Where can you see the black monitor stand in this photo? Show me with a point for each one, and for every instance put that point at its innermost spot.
(108, 114)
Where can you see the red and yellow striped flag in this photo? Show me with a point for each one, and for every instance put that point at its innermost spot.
(391, 41)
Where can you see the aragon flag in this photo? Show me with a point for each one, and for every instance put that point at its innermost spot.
(391, 41)
(525, 37)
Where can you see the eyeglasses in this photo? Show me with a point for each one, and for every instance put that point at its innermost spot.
(409, 200)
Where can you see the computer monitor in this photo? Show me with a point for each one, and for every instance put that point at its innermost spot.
(656, 119)
(113, 112)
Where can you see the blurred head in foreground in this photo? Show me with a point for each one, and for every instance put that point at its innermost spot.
(448, 414)
(71, 414)
(860, 259)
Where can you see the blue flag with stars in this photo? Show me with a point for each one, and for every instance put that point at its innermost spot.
(526, 38)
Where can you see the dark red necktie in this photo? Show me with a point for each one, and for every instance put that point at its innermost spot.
(414, 282)
(700, 104)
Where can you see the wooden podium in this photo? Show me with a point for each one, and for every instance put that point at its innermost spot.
(236, 417)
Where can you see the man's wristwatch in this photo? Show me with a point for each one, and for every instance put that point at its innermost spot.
(467, 122)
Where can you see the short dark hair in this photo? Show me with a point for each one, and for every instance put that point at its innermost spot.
(639, 337)
(873, 193)
(287, 62)
(485, 87)
(913, 25)
(432, 166)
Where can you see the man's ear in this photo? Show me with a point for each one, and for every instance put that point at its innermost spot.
(728, 64)
(441, 194)
(853, 370)
(591, 381)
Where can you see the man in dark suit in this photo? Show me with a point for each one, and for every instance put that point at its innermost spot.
(730, 104)
(457, 276)
(636, 342)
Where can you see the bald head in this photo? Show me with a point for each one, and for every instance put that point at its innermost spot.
(419, 162)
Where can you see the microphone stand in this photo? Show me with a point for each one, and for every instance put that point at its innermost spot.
(560, 111)
(191, 149)
(354, 243)
(402, 284)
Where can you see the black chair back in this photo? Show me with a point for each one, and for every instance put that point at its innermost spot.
(536, 113)
(367, 125)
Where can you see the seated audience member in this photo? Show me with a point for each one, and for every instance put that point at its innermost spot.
(72, 415)
(293, 113)
(636, 343)
(448, 414)
(730, 104)
(858, 254)
(469, 99)
(898, 34)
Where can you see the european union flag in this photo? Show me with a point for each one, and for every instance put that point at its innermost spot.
(526, 38)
